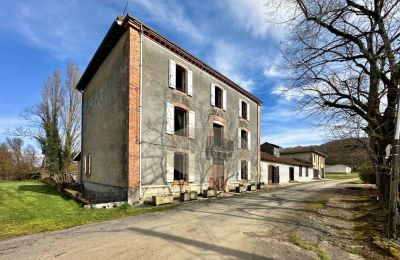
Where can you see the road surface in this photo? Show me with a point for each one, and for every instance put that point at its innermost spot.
(249, 226)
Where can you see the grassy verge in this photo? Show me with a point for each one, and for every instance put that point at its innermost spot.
(295, 239)
(340, 176)
(30, 207)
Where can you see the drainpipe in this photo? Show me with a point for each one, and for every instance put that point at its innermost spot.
(140, 115)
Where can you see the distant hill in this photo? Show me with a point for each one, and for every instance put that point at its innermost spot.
(350, 151)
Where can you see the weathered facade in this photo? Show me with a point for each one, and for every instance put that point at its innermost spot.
(275, 169)
(308, 155)
(156, 120)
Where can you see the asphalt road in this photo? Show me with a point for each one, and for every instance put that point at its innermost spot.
(249, 226)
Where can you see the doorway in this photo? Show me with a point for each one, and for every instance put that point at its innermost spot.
(273, 176)
(291, 173)
(219, 174)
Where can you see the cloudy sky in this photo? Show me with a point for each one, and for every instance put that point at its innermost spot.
(235, 37)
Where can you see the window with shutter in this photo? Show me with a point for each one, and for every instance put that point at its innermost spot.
(218, 97)
(249, 170)
(192, 167)
(248, 111)
(170, 114)
(248, 140)
(192, 128)
(212, 97)
(190, 83)
(239, 138)
(239, 173)
(172, 73)
(244, 109)
(240, 108)
(170, 166)
(224, 99)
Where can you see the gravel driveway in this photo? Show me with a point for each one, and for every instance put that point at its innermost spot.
(248, 226)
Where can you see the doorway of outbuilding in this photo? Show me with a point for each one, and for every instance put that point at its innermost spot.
(291, 173)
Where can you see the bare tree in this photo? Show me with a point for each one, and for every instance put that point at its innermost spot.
(343, 58)
(70, 115)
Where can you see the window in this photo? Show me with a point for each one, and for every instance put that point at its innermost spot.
(88, 165)
(300, 171)
(179, 121)
(180, 79)
(218, 97)
(306, 171)
(244, 139)
(243, 171)
(244, 110)
(218, 131)
(180, 163)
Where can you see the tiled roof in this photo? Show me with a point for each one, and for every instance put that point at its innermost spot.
(300, 149)
(270, 158)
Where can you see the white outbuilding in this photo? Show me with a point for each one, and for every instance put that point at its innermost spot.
(338, 168)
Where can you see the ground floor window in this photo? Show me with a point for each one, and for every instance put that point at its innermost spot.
(300, 171)
(244, 170)
(306, 171)
(180, 167)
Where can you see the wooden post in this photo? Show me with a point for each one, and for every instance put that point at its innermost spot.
(394, 180)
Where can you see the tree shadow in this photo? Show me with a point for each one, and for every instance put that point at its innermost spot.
(224, 251)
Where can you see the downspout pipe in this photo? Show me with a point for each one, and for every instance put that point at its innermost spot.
(140, 113)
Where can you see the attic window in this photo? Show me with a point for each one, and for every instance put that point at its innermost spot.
(244, 110)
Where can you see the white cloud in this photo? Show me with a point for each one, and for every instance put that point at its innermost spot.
(271, 72)
(259, 18)
(226, 57)
(294, 136)
(171, 12)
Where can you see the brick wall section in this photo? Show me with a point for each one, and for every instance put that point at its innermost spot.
(133, 162)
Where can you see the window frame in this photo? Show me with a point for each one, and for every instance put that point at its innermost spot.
(179, 68)
(184, 174)
(185, 121)
(244, 171)
(218, 89)
(244, 145)
(244, 109)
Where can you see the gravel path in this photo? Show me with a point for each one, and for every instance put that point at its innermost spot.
(248, 226)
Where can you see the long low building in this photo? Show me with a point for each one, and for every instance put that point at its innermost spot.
(276, 169)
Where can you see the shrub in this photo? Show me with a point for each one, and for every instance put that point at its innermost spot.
(367, 173)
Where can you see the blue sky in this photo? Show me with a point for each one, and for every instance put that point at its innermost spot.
(233, 36)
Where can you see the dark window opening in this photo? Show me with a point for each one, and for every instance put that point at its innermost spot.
(243, 173)
(218, 97)
(244, 110)
(243, 136)
(180, 167)
(306, 171)
(180, 121)
(291, 173)
(300, 171)
(218, 131)
(180, 79)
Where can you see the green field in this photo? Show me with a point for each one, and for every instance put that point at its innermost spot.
(30, 207)
(340, 176)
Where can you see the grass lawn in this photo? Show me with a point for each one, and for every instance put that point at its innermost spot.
(340, 176)
(30, 207)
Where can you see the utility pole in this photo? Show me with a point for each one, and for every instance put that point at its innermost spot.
(394, 179)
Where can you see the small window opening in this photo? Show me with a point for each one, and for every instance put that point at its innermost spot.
(244, 139)
(180, 121)
(180, 162)
(218, 97)
(243, 172)
(180, 78)
(244, 110)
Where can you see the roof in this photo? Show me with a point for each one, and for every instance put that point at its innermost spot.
(266, 143)
(301, 149)
(270, 158)
(120, 26)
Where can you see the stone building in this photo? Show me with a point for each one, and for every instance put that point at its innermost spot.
(157, 120)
